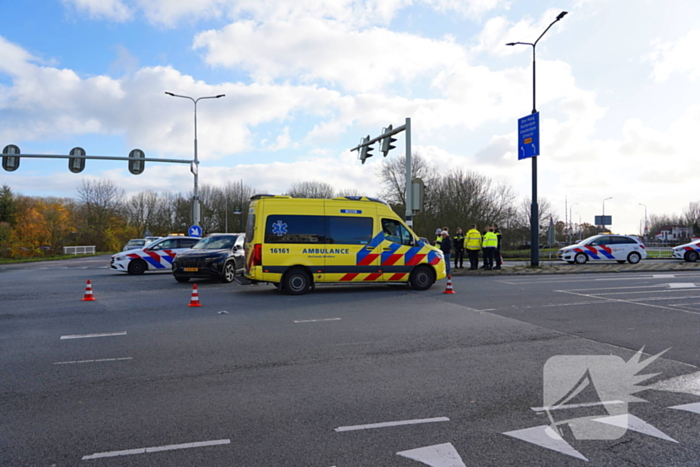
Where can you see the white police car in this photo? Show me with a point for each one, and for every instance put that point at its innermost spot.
(156, 256)
(689, 252)
(618, 248)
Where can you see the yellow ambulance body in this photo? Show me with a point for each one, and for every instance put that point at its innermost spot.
(296, 243)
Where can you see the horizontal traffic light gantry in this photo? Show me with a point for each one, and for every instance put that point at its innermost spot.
(77, 157)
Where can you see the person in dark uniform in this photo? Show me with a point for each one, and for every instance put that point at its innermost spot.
(497, 255)
(458, 245)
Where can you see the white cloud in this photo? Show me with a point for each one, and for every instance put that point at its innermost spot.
(676, 57)
(114, 10)
(312, 49)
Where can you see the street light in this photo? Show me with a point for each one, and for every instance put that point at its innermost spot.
(534, 211)
(571, 220)
(195, 167)
(603, 219)
(580, 227)
(646, 229)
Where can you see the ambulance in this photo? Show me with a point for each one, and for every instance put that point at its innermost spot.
(296, 243)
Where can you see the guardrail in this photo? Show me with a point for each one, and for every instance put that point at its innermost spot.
(79, 250)
(655, 252)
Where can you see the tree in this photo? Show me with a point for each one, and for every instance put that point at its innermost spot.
(692, 217)
(101, 208)
(392, 178)
(8, 205)
(311, 190)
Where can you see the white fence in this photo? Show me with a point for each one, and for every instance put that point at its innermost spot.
(79, 250)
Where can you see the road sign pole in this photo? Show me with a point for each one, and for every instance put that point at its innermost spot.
(409, 177)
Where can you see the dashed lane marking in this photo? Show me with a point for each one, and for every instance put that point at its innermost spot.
(95, 361)
(170, 447)
(390, 424)
(316, 320)
(87, 336)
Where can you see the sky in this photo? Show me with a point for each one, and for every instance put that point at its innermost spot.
(304, 80)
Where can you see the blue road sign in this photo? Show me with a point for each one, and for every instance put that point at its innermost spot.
(529, 136)
(194, 231)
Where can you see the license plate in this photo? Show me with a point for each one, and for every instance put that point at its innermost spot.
(191, 269)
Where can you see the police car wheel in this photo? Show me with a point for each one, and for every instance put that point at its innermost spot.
(634, 257)
(182, 278)
(621, 261)
(691, 256)
(296, 282)
(229, 273)
(137, 267)
(422, 278)
(581, 258)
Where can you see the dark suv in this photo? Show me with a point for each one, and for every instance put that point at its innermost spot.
(217, 256)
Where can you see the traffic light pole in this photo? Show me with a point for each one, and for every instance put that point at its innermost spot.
(409, 178)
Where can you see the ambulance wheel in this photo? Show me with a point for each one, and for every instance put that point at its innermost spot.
(691, 256)
(182, 278)
(634, 257)
(137, 267)
(581, 258)
(422, 278)
(296, 282)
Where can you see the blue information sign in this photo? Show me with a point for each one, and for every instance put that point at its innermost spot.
(529, 136)
(194, 231)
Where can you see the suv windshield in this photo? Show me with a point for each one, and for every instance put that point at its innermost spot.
(216, 243)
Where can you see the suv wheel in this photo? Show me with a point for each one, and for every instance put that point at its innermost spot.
(229, 273)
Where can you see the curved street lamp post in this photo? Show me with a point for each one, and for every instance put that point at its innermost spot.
(195, 167)
(534, 210)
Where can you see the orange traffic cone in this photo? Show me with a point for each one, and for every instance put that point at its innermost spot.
(194, 300)
(449, 285)
(88, 292)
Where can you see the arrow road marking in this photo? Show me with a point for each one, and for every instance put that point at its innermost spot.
(633, 423)
(439, 455)
(547, 438)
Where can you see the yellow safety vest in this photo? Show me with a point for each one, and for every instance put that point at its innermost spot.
(473, 240)
(490, 240)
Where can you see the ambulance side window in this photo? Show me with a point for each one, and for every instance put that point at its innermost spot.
(295, 229)
(349, 230)
(395, 232)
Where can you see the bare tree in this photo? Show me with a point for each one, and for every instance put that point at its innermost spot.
(311, 190)
(101, 209)
(232, 194)
(392, 177)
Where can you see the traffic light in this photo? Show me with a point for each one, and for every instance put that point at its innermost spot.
(9, 161)
(76, 164)
(417, 195)
(136, 165)
(387, 141)
(365, 151)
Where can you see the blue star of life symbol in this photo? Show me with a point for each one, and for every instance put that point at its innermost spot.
(279, 228)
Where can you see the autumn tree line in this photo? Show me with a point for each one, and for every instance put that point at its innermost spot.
(103, 215)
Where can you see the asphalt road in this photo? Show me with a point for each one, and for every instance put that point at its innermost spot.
(344, 376)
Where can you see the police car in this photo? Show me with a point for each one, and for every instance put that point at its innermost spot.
(689, 252)
(618, 248)
(156, 256)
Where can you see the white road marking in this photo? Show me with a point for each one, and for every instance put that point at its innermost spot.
(390, 424)
(663, 276)
(546, 437)
(576, 406)
(681, 285)
(170, 447)
(629, 302)
(95, 361)
(694, 407)
(316, 320)
(439, 455)
(86, 336)
(633, 423)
